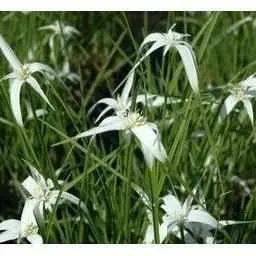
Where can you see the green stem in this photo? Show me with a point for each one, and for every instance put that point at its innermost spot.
(154, 197)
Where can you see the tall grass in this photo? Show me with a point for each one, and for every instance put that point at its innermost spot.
(102, 172)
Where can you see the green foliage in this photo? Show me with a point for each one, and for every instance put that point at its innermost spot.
(102, 172)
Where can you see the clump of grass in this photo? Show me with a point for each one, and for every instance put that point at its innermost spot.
(120, 195)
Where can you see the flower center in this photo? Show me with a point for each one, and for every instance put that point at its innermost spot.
(30, 229)
(134, 119)
(239, 91)
(46, 193)
(179, 217)
(174, 36)
(23, 73)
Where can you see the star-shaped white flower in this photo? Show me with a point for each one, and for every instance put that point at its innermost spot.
(22, 74)
(192, 218)
(122, 104)
(242, 92)
(61, 31)
(25, 228)
(182, 215)
(45, 193)
(146, 132)
(169, 40)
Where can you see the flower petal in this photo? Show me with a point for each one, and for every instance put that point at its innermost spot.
(39, 67)
(9, 54)
(8, 235)
(27, 216)
(35, 239)
(111, 123)
(171, 205)
(103, 112)
(248, 107)
(163, 231)
(202, 216)
(127, 89)
(152, 100)
(74, 200)
(149, 236)
(153, 37)
(228, 105)
(149, 157)
(12, 75)
(189, 62)
(31, 186)
(148, 136)
(34, 84)
(15, 88)
(108, 101)
(11, 224)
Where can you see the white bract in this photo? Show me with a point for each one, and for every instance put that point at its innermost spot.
(194, 220)
(45, 193)
(146, 132)
(25, 228)
(169, 40)
(182, 215)
(123, 103)
(61, 31)
(241, 92)
(22, 74)
(131, 122)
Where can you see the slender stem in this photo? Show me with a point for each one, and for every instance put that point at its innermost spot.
(128, 193)
(182, 233)
(154, 197)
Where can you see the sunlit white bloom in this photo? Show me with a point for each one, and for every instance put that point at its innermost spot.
(197, 230)
(45, 193)
(61, 31)
(146, 132)
(194, 220)
(182, 215)
(169, 40)
(25, 228)
(241, 92)
(123, 103)
(22, 74)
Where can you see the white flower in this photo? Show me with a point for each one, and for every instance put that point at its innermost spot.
(61, 31)
(172, 39)
(45, 193)
(25, 228)
(195, 220)
(22, 73)
(146, 132)
(182, 215)
(123, 103)
(244, 92)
